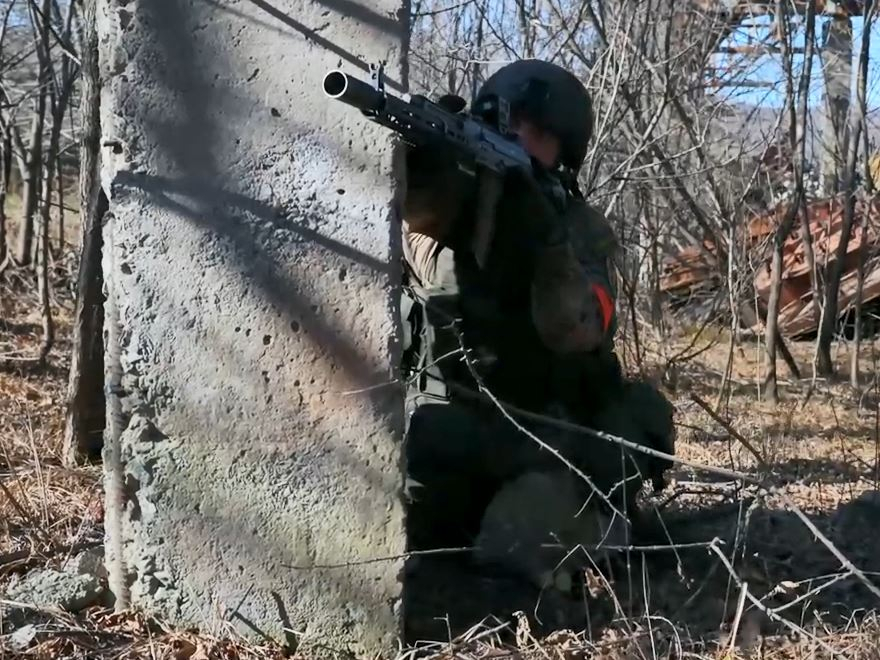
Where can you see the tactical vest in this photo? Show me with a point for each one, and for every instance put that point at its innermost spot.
(488, 313)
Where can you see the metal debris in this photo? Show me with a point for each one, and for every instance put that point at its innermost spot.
(694, 270)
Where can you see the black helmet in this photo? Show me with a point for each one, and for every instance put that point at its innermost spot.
(547, 95)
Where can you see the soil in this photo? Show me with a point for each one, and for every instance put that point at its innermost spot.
(818, 451)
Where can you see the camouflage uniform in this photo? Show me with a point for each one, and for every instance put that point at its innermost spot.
(538, 323)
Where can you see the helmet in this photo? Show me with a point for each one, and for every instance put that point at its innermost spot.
(547, 95)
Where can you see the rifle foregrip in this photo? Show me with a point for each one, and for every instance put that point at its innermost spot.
(351, 91)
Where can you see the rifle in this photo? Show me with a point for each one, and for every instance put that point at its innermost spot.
(483, 150)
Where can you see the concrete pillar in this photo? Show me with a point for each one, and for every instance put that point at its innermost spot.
(252, 274)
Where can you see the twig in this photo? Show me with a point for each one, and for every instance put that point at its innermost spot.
(13, 557)
(505, 411)
(812, 592)
(770, 613)
(770, 490)
(24, 514)
(727, 427)
(470, 640)
(734, 629)
(376, 560)
(467, 549)
(846, 563)
(578, 428)
(637, 548)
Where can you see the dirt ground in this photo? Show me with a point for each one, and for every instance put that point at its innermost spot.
(774, 542)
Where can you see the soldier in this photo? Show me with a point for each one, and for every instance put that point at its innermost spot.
(534, 324)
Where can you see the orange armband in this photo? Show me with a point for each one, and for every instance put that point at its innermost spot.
(606, 305)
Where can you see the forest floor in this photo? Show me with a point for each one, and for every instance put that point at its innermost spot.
(773, 542)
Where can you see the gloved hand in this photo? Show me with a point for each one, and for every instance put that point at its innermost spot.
(527, 210)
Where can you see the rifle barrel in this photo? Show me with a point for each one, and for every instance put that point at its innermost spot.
(351, 91)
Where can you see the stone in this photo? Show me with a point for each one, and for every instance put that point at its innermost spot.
(251, 264)
(51, 588)
(88, 562)
(21, 638)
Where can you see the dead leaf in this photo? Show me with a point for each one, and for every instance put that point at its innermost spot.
(183, 649)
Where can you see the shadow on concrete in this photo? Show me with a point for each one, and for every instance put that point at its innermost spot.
(349, 9)
(190, 177)
(346, 8)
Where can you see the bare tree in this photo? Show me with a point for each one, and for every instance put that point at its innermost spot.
(796, 135)
(85, 398)
(33, 161)
(825, 364)
(5, 171)
(59, 82)
(869, 210)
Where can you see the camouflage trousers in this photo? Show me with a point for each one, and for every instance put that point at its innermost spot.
(462, 456)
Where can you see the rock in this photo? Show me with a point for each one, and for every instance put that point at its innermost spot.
(22, 638)
(88, 562)
(51, 588)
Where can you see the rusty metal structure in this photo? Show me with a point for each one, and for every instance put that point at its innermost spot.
(799, 312)
(693, 270)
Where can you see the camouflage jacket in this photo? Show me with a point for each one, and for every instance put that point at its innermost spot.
(540, 306)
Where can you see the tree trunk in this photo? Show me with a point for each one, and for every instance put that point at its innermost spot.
(787, 357)
(59, 107)
(810, 261)
(870, 205)
(31, 183)
(43, 263)
(34, 157)
(59, 173)
(85, 392)
(825, 366)
(4, 188)
(796, 137)
(860, 286)
(478, 52)
(771, 330)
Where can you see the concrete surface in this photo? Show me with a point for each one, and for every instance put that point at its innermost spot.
(251, 261)
(62, 589)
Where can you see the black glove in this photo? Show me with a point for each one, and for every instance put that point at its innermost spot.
(526, 206)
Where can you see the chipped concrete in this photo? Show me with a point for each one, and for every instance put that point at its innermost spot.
(251, 257)
(62, 589)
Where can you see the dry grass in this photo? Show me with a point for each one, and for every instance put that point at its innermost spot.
(820, 451)
(44, 507)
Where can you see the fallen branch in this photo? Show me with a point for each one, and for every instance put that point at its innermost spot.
(13, 557)
(766, 610)
(732, 431)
